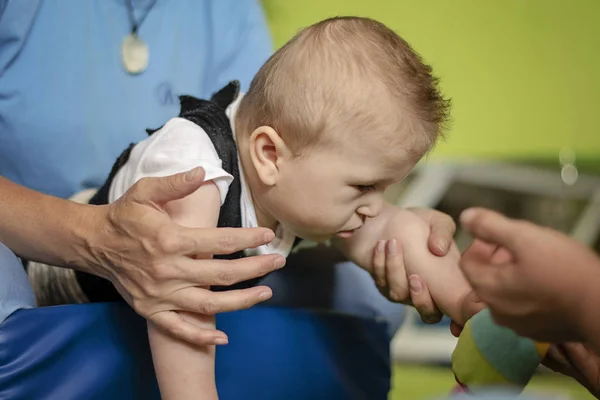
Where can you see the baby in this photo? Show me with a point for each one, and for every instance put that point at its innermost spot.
(340, 113)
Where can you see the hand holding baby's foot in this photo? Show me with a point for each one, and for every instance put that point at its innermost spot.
(390, 277)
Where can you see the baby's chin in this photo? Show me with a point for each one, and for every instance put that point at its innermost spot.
(316, 237)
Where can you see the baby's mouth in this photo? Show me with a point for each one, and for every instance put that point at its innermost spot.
(347, 233)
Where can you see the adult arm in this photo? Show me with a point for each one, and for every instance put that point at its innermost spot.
(536, 281)
(135, 244)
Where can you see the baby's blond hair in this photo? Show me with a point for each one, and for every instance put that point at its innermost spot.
(345, 75)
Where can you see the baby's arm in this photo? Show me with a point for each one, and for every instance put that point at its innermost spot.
(185, 371)
(443, 277)
(447, 285)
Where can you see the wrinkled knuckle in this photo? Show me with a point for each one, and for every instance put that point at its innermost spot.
(167, 241)
(161, 272)
(150, 291)
(227, 243)
(209, 307)
(225, 278)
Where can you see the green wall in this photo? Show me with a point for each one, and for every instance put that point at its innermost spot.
(523, 74)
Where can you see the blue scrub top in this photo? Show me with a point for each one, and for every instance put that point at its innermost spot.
(67, 106)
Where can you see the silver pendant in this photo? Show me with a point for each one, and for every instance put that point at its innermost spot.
(134, 54)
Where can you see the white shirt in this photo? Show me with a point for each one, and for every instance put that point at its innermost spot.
(181, 145)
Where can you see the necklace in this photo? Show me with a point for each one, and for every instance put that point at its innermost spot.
(134, 51)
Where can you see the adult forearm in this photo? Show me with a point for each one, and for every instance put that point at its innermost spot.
(586, 313)
(44, 228)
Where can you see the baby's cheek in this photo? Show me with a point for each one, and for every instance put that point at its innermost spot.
(322, 221)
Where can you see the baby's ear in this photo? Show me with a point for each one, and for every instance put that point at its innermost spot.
(267, 151)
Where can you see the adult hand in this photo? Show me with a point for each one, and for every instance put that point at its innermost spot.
(150, 259)
(578, 361)
(535, 281)
(441, 226)
(389, 258)
(479, 250)
(471, 306)
(442, 229)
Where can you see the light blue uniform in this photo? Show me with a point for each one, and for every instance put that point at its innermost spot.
(67, 106)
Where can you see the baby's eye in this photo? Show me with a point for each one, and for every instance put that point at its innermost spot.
(365, 188)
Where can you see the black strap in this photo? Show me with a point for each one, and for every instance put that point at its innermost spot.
(211, 117)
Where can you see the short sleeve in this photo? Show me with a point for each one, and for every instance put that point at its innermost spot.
(179, 146)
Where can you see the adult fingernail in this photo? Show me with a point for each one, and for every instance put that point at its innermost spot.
(442, 245)
(279, 262)
(392, 247)
(192, 174)
(380, 246)
(265, 295)
(415, 284)
(221, 340)
(467, 216)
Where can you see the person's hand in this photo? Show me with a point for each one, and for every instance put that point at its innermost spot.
(578, 361)
(363, 247)
(389, 269)
(479, 250)
(150, 259)
(534, 280)
(441, 226)
(471, 306)
(389, 273)
(442, 229)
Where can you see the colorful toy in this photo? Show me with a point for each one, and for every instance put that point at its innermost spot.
(489, 356)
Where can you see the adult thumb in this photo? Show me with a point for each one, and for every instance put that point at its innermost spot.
(489, 226)
(164, 189)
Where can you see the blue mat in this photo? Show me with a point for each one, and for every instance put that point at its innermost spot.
(100, 351)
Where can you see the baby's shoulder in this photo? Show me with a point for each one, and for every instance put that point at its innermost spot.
(179, 137)
(179, 129)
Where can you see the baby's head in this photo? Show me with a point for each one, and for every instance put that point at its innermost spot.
(341, 112)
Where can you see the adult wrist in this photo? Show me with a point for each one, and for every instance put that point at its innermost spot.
(86, 226)
(584, 312)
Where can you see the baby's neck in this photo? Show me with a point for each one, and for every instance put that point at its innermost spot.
(263, 217)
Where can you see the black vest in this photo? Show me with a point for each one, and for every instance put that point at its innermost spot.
(210, 116)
